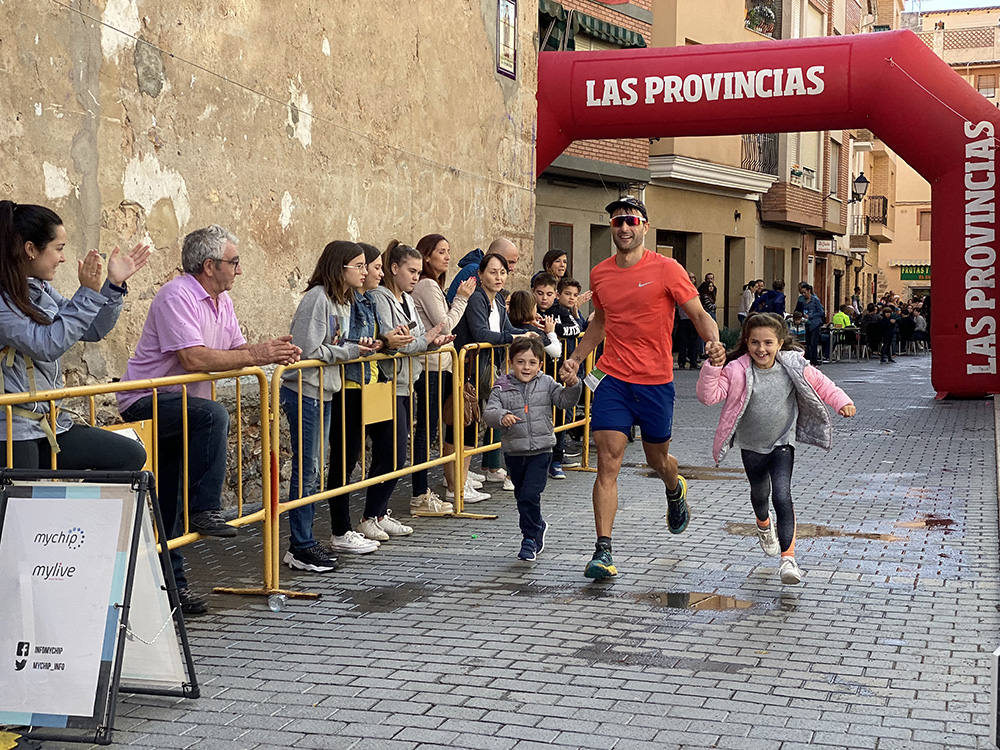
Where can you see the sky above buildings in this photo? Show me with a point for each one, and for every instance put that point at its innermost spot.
(927, 5)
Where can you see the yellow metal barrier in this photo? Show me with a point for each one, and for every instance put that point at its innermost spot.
(155, 385)
(374, 409)
(469, 369)
(378, 404)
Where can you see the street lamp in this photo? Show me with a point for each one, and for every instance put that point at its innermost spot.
(858, 188)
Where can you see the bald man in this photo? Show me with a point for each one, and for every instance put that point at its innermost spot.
(468, 266)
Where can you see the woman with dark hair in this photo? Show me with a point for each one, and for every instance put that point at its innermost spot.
(486, 322)
(38, 326)
(346, 418)
(435, 384)
(556, 263)
(320, 327)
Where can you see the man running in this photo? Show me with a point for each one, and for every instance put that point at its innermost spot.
(635, 293)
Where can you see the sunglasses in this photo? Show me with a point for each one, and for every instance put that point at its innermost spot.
(630, 220)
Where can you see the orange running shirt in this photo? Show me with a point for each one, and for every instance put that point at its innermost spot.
(638, 305)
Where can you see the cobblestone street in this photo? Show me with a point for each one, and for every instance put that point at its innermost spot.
(445, 639)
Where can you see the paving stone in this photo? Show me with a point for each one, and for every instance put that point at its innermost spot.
(444, 639)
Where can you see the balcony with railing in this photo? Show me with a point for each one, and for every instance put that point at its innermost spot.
(872, 220)
(764, 17)
(759, 153)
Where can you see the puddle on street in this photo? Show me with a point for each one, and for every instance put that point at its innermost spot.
(812, 531)
(696, 600)
(699, 473)
(928, 522)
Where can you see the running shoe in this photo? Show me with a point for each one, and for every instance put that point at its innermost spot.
(540, 539)
(678, 511)
(768, 540)
(527, 549)
(556, 471)
(789, 571)
(315, 559)
(601, 565)
(211, 523)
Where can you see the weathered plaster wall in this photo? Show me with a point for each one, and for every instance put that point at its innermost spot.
(411, 132)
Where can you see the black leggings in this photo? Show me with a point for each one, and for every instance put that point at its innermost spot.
(80, 447)
(771, 474)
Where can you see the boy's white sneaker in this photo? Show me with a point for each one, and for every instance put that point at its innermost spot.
(768, 540)
(370, 529)
(392, 527)
(789, 571)
(352, 542)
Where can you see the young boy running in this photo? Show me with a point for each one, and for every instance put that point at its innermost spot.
(521, 405)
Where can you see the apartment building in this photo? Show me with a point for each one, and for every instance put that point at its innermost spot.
(572, 192)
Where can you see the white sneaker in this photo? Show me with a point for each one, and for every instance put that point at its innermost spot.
(474, 483)
(392, 527)
(370, 529)
(430, 502)
(508, 485)
(768, 540)
(496, 475)
(789, 571)
(353, 543)
(476, 477)
(469, 495)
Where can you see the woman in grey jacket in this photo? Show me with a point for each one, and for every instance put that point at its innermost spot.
(321, 328)
(38, 325)
(395, 308)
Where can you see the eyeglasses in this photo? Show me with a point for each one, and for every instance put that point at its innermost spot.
(357, 266)
(626, 220)
(234, 262)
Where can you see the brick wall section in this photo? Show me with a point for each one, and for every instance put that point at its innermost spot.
(793, 203)
(633, 152)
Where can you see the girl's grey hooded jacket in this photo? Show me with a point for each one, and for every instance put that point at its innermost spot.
(392, 313)
(319, 328)
(532, 404)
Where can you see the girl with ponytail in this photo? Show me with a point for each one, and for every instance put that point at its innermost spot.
(38, 325)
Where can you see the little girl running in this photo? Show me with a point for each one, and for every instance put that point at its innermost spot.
(768, 409)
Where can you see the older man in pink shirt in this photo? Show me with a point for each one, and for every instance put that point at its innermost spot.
(192, 327)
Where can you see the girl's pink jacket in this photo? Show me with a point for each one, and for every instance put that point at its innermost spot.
(812, 388)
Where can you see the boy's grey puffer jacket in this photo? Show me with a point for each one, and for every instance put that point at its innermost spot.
(532, 404)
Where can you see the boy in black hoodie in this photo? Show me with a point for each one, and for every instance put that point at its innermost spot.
(570, 325)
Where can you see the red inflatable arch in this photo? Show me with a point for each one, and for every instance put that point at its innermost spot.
(889, 83)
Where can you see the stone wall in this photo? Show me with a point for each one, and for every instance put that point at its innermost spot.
(292, 124)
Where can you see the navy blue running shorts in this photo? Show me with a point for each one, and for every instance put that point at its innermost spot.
(619, 405)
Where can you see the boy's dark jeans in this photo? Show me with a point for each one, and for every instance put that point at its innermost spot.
(529, 474)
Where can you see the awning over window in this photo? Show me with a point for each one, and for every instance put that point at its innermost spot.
(553, 15)
(608, 32)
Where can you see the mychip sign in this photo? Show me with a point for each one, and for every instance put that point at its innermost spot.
(915, 273)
